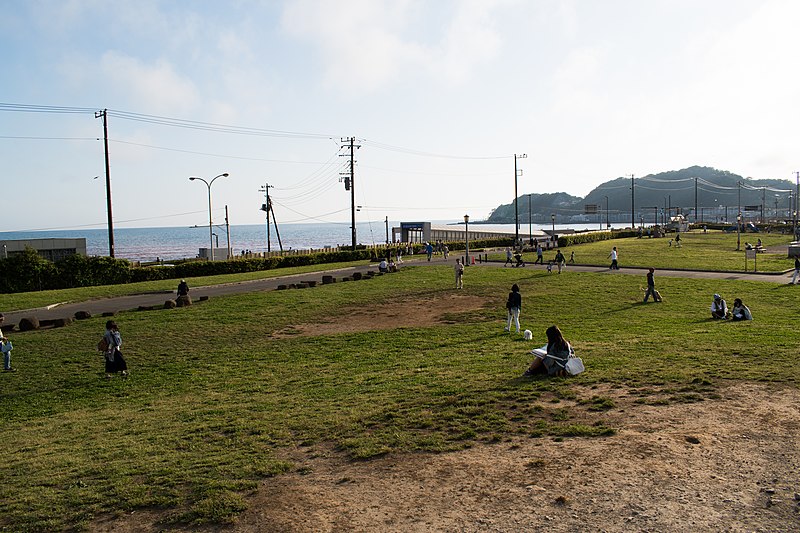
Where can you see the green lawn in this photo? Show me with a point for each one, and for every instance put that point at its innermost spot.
(714, 250)
(214, 399)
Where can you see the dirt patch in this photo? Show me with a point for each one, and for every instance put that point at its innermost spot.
(398, 314)
(727, 464)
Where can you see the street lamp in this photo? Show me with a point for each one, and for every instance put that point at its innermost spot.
(530, 220)
(738, 230)
(608, 225)
(210, 223)
(466, 239)
(553, 236)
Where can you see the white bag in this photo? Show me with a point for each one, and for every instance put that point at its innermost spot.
(574, 366)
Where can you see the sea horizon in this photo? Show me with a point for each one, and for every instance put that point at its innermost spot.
(180, 242)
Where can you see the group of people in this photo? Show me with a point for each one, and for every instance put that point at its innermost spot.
(720, 311)
(387, 266)
(551, 361)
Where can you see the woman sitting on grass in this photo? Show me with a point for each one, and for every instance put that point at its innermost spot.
(741, 311)
(553, 362)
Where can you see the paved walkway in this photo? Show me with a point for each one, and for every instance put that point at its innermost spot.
(121, 303)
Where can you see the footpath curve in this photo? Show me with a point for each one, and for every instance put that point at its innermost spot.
(123, 303)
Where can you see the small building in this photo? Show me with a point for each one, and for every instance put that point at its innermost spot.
(51, 249)
(427, 232)
(677, 223)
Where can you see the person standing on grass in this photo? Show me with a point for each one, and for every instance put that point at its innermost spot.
(651, 286)
(796, 270)
(183, 288)
(513, 307)
(113, 356)
(459, 270)
(539, 254)
(613, 256)
(429, 250)
(5, 347)
(572, 257)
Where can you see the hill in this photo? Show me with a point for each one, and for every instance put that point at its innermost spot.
(708, 192)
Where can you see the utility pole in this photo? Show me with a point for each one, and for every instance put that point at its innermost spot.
(695, 201)
(633, 216)
(796, 202)
(267, 207)
(387, 229)
(104, 114)
(516, 199)
(349, 184)
(228, 231)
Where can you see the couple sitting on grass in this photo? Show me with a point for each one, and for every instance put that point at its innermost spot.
(556, 358)
(719, 309)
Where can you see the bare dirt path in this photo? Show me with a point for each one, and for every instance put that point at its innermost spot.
(726, 464)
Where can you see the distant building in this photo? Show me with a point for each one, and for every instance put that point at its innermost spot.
(52, 249)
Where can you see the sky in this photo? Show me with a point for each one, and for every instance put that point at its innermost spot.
(439, 96)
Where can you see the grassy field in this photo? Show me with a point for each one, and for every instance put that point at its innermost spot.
(32, 300)
(698, 251)
(214, 399)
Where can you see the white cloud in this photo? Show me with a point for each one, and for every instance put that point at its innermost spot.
(368, 44)
(155, 87)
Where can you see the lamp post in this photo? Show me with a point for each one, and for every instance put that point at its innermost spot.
(210, 223)
(466, 239)
(553, 236)
(530, 221)
(608, 225)
(738, 230)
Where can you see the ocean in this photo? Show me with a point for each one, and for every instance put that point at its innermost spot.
(170, 243)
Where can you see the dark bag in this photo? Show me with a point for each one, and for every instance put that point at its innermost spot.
(103, 344)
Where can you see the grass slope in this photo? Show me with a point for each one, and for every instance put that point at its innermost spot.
(714, 251)
(214, 399)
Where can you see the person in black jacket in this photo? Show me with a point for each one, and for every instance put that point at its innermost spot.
(514, 306)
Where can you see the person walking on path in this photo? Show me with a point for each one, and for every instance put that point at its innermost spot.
(513, 306)
(560, 260)
(459, 270)
(613, 256)
(651, 286)
(113, 356)
(796, 270)
(539, 254)
(509, 257)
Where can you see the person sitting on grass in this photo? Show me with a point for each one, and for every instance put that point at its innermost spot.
(553, 362)
(740, 311)
(719, 309)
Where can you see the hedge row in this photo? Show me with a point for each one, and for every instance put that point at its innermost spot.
(28, 271)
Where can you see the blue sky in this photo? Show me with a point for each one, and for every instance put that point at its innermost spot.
(440, 96)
